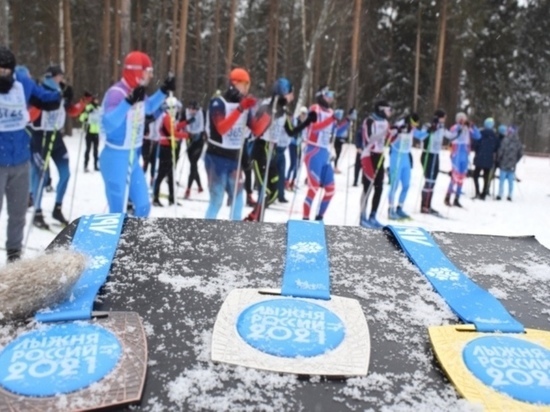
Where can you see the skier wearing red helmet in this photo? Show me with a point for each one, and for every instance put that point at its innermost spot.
(122, 125)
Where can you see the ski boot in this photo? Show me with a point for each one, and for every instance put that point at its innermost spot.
(130, 209)
(39, 222)
(13, 255)
(30, 202)
(187, 194)
(58, 215)
(372, 223)
(447, 199)
(363, 221)
(96, 167)
(156, 202)
(425, 210)
(393, 215)
(201, 189)
(456, 202)
(402, 215)
(319, 218)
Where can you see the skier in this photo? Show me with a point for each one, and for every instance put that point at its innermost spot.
(485, 153)
(430, 159)
(169, 131)
(320, 121)
(122, 126)
(460, 152)
(282, 145)
(341, 133)
(400, 163)
(17, 90)
(47, 142)
(228, 122)
(375, 134)
(508, 155)
(295, 150)
(90, 119)
(195, 144)
(273, 115)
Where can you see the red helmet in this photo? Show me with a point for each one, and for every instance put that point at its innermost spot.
(135, 64)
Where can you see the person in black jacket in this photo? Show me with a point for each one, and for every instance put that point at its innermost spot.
(486, 149)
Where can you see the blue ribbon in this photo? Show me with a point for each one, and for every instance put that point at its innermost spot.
(306, 272)
(97, 237)
(470, 302)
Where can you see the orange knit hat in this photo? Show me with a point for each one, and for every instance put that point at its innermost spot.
(239, 75)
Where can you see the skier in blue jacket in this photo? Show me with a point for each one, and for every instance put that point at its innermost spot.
(400, 163)
(17, 92)
(123, 122)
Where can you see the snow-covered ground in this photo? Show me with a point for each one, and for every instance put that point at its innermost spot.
(527, 214)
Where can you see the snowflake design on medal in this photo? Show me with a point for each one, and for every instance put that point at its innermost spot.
(97, 262)
(443, 274)
(302, 251)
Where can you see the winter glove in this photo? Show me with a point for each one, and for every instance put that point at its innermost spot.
(246, 103)
(136, 95)
(312, 117)
(169, 85)
(38, 160)
(67, 92)
(191, 120)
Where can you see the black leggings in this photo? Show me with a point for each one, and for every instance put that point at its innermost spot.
(194, 151)
(486, 173)
(92, 140)
(377, 159)
(165, 171)
(338, 143)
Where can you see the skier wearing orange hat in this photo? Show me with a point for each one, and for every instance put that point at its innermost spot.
(122, 125)
(229, 121)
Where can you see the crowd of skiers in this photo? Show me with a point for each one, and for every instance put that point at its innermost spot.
(244, 137)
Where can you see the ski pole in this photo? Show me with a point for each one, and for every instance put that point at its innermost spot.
(352, 133)
(237, 177)
(378, 165)
(76, 175)
(173, 150)
(45, 166)
(131, 155)
(297, 178)
(263, 190)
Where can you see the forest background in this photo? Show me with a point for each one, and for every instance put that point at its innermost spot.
(488, 58)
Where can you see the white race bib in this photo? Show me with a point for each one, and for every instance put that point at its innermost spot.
(13, 109)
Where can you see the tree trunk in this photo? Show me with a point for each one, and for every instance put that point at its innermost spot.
(201, 84)
(139, 23)
(440, 52)
(125, 32)
(68, 35)
(15, 31)
(304, 36)
(116, 43)
(160, 60)
(61, 23)
(4, 22)
(272, 42)
(352, 92)
(105, 45)
(320, 28)
(213, 78)
(182, 45)
(417, 57)
(174, 36)
(231, 36)
(69, 55)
